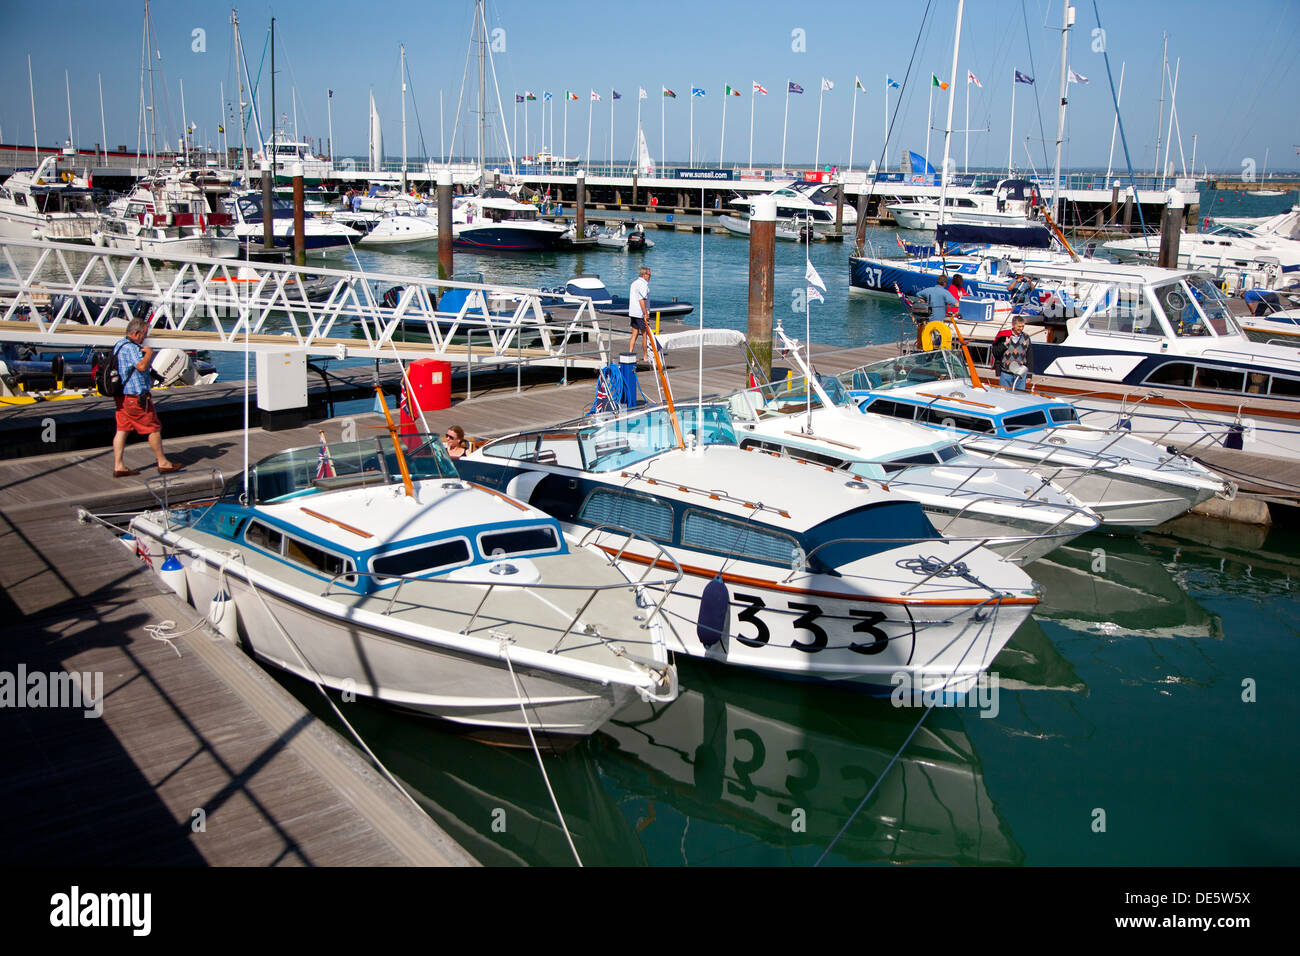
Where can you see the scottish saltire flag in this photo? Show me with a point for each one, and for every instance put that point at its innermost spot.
(935, 81)
(731, 91)
(616, 94)
(529, 95)
(669, 93)
(795, 87)
(595, 97)
(519, 98)
(760, 88)
(813, 278)
(324, 464)
(814, 295)
(546, 95)
(1024, 78)
(1077, 77)
(972, 78)
(696, 91)
(891, 82)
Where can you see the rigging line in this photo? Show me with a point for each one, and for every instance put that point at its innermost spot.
(1123, 137)
(419, 129)
(860, 238)
(1038, 106)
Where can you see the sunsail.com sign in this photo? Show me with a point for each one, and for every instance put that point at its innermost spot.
(704, 174)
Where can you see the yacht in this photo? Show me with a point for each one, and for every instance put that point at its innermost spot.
(284, 153)
(321, 238)
(384, 574)
(44, 205)
(1007, 202)
(790, 568)
(403, 225)
(798, 201)
(1238, 258)
(494, 220)
(169, 215)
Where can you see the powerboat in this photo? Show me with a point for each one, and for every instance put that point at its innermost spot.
(321, 238)
(1127, 481)
(1274, 317)
(169, 215)
(1239, 258)
(627, 236)
(813, 202)
(383, 573)
(493, 220)
(790, 568)
(591, 287)
(41, 204)
(798, 229)
(1008, 202)
(403, 225)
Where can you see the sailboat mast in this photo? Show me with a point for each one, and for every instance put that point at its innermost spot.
(67, 89)
(239, 62)
(947, 136)
(1160, 116)
(482, 83)
(153, 114)
(402, 47)
(1067, 21)
(103, 128)
(274, 128)
(31, 89)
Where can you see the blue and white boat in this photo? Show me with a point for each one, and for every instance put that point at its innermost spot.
(591, 287)
(495, 221)
(432, 595)
(321, 238)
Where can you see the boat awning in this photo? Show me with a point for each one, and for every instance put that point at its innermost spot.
(1026, 237)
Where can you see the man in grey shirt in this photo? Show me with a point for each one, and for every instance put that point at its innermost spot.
(937, 298)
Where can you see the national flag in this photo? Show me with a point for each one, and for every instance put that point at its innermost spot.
(827, 85)
(794, 88)
(669, 93)
(641, 93)
(1024, 78)
(324, 464)
(760, 88)
(972, 78)
(595, 97)
(899, 240)
(857, 85)
(220, 128)
(813, 278)
(891, 82)
(731, 91)
(331, 94)
(935, 81)
(1077, 77)
(814, 295)
(616, 94)
(519, 98)
(546, 96)
(696, 91)
(570, 96)
(529, 95)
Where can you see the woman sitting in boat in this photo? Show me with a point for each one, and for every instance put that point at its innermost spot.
(956, 290)
(456, 444)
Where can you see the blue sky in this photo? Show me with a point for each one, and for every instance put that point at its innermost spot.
(1237, 95)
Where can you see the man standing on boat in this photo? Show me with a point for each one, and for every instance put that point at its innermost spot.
(1015, 360)
(935, 297)
(135, 409)
(638, 309)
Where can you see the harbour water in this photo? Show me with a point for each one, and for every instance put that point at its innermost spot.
(1142, 716)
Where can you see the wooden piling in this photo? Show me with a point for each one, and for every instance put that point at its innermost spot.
(445, 265)
(299, 225)
(580, 219)
(1171, 226)
(268, 199)
(762, 242)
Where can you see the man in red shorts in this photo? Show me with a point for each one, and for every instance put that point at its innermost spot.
(135, 411)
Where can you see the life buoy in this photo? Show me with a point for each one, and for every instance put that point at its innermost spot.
(148, 220)
(927, 335)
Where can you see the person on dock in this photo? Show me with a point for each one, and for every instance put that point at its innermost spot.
(134, 407)
(455, 439)
(638, 309)
(1015, 359)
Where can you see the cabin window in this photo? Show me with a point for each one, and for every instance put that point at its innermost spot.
(314, 559)
(1223, 379)
(1034, 419)
(893, 409)
(266, 538)
(946, 418)
(1281, 385)
(711, 532)
(20, 199)
(1172, 373)
(538, 539)
(1063, 414)
(431, 557)
(640, 513)
(516, 449)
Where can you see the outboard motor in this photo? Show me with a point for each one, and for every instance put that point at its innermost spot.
(169, 366)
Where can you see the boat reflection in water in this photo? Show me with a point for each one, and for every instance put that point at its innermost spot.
(742, 755)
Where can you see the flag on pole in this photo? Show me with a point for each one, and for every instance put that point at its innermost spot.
(324, 464)
(571, 96)
(519, 98)
(529, 95)
(595, 97)
(857, 85)
(827, 85)
(1024, 78)
(813, 278)
(972, 78)
(696, 91)
(641, 93)
(669, 93)
(890, 82)
(814, 295)
(220, 128)
(731, 91)
(1077, 77)
(935, 81)
(760, 88)
(331, 94)
(616, 94)
(546, 96)
(795, 87)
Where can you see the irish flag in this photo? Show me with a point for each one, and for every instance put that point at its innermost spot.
(731, 92)
(934, 81)
(570, 95)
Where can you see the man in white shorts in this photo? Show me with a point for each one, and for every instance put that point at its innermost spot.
(638, 309)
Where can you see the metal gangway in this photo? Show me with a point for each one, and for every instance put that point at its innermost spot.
(67, 294)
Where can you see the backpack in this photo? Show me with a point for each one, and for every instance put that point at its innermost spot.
(108, 380)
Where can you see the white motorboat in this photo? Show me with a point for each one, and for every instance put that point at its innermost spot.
(403, 225)
(1274, 317)
(321, 238)
(1237, 257)
(1129, 482)
(797, 201)
(431, 594)
(798, 229)
(41, 204)
(791, 568)
(494, 220)
(170, 215)
(285, 153)
(1019, 515)
(627, 236)
(1008, 202)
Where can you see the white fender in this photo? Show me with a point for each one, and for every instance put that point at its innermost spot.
(172, 573)
(223, 615)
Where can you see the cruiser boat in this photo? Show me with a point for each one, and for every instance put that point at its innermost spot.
(590, 287)
(322, 238)
(493, 220)
(813, 202)
(1127, 481)
(798, 229)
(41, 205)
(1274, 317)
(284, 153)
(403, 225)
(426, 592)
(1008, 202)
(791, 568)
(167, 216)
(1237, 257)
(1017, 514)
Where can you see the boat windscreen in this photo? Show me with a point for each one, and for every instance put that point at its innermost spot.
(325, 466)
(865, 531)
(633, 438)
(918, 368)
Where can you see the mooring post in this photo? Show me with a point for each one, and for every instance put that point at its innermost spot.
(581, 204)
(1114, 200)
(1128, 210)
(299, 226)
(1171, 226)
(445, 267)
(839, 209)
(762, 241)
(268, 196)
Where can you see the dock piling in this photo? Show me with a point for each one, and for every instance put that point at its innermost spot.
(1114, 201)
(762, 242)
(445, 267)
(1171, 226)
(299, 226)
(268, 221)
(580, 204)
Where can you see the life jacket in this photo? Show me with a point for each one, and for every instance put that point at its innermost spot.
(999, 350)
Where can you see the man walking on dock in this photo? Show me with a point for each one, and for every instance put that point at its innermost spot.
(135, 409)
(638, 309)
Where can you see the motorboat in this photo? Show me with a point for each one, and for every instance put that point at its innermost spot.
(32, 373)
(403, 225)
(42, 204)
(170, 215)
(321, 238)
(791, 568)
(798, 229)
(494, 220)
(1274, 317)
(1239, 258)
(385, 574)
(1127, 481)
(1007, 202)
(816, 205)
(591, 287)
(626, 236)
(284, 153)
(812, 417)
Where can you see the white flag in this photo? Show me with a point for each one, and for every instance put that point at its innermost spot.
(813, 278)
(1077, 77)
(827, 85)
(643, 94)
(814, 295)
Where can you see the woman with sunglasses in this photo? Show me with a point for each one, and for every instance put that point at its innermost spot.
(455, 439)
